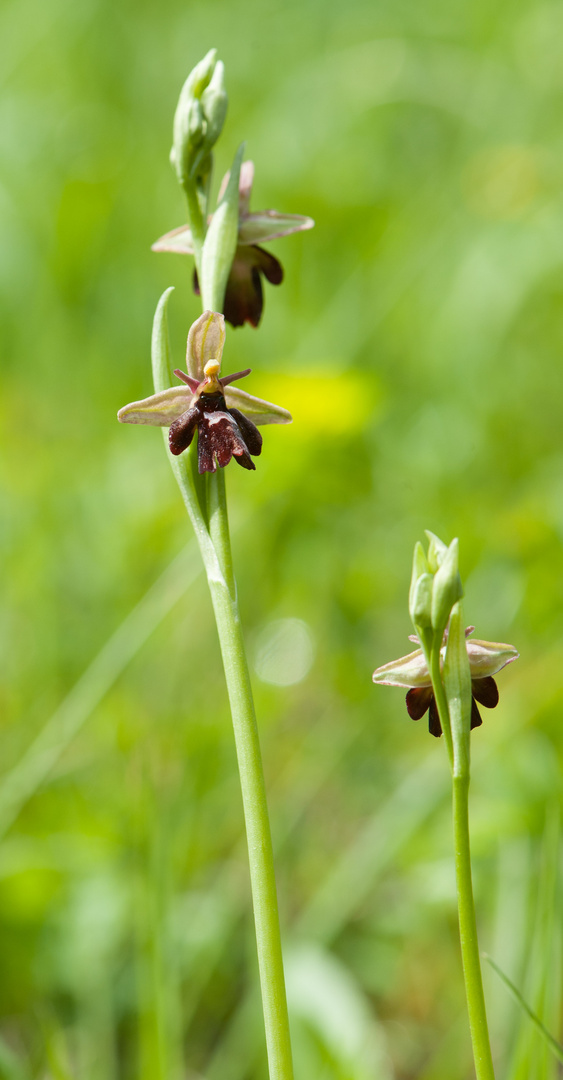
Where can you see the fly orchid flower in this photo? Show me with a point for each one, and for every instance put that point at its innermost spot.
(244, 298)
(486, 658)
(224, 416)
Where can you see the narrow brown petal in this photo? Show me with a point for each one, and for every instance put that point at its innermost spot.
(226, 380)
(418, 701)
(192, 383)
(182, 431)
(271, 268)
(485, 691)
(476, 720)
(434, 725)
(249, 431)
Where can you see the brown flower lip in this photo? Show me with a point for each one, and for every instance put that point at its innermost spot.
(223, 433)
(244, 295)
(420, 699)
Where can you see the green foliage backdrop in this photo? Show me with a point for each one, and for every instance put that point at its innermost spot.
(417, 340)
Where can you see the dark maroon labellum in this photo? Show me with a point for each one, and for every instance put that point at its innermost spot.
(420, 699)
(222, 434)
(244, 298)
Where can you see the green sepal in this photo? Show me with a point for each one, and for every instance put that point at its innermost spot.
(206, 341)
(257, 409)
(160, 409)
(269, 225)
(221, 242)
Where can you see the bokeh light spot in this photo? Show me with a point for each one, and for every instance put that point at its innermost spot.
(284, 652)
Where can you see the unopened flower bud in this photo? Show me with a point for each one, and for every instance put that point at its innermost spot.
(447, 588)
(436, 551)
(199, 117)
(420, 605)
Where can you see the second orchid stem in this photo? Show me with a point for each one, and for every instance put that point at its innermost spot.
(478, 1024)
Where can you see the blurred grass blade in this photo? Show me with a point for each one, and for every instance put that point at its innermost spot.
(327, 998)
(555, 1046)
(27, 776)
(344, 888)
(11, 1068)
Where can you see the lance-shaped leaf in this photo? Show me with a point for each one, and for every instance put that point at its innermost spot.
(221, 241)
(206, 341)
(257, 409)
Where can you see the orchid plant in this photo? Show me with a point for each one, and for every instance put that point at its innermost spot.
(211, 422)
(448, 676)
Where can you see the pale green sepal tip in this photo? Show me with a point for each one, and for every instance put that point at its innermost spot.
(447, 589)
(160, 345)
(407, 671)
(257, 409)
(457, 684)
(160, 410)
(221, 241)
(436, 551)
(269, 225)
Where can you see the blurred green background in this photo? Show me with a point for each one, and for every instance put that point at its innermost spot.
(417, 340)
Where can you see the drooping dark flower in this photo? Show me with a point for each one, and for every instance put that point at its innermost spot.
(244, 298)
(486, 658)
(224, 416)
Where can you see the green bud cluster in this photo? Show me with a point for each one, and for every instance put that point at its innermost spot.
(199, 119)
(435, 588)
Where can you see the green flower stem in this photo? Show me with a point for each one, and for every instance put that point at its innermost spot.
(441, 700)
(213, 536)
(219, 526)
(218, 564)
(468, 932)
(261, 858)
(478, 1024)
(197, 224)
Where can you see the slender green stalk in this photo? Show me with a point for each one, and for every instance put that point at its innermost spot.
(211, 526)
(468, 932)
(441, 701)
(478, 1024)
(197, 223)
(262, 876)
